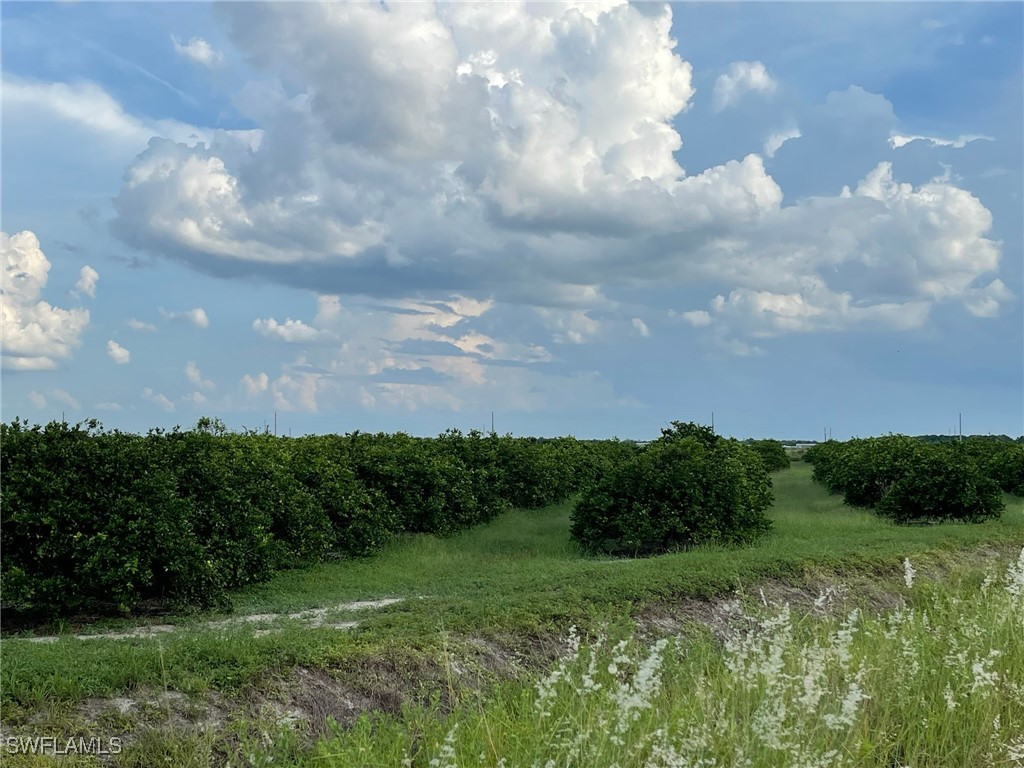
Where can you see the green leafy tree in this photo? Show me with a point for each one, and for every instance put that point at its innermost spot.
(686, 489)
(772, 454)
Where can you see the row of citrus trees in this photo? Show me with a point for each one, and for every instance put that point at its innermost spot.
(98, 520)
(908, 480)
(101, 520)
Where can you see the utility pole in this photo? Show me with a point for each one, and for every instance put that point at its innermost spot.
(961, 427)
(824, 432)
(275, 423)
(492, 422)
(712, 421)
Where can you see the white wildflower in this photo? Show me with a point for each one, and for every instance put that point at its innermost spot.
(769, 722)
(589, 684)
(1017, 691)
(908, 573)
(447, 757)
(984, 675)
(1015, 750)
(896, 620)
(664, 755)
(956, 657)
(848, 711)
(911, 657)
(814, 671)
(636, 695)
(619, 656)
(1015, 578)
(843, 638)
(829, 595)
(827, 760)
(779, 631)
(950, 698)
(986, 585)
(546, 686)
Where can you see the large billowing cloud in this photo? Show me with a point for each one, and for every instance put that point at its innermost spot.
(36, 334)
(526, 154)
(406, 164)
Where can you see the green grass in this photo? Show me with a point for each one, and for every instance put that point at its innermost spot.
(519, 576)
(526, 559)
(935, 682)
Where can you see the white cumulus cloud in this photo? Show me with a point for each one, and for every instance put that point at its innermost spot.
(196, 316)
(427, 152)
(255, 385)
(87, 280)
(695, 317)
(896, 141)
(138, 325)
(195, 376)
(743, 77)
(117, 353)
(199, 51)
(159, 400)
(36, 334)
(292, 331)
(295, 393)
(196, 398)
(985, 302)
(572, 326)
(527, 160)
(775, 141)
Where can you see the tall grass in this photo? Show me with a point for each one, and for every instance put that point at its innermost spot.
(938, 681)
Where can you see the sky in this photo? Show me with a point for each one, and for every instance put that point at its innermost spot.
(587, 218)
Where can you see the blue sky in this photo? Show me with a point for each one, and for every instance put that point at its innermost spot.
(591, 219)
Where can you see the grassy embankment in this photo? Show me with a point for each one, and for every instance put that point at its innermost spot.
(514, 584)
(938, 680)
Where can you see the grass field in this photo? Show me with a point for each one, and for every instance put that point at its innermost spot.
(936, 681)
(516, 584)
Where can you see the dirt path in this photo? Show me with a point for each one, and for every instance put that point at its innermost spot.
(313, 617)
